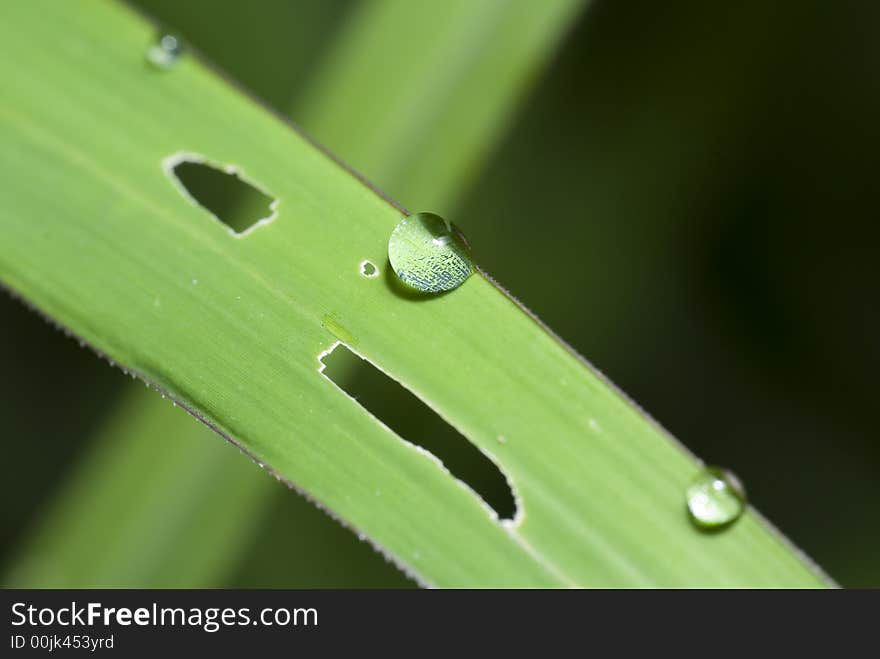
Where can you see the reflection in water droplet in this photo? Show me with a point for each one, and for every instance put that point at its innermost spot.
(165, 52)
(715, 498)
(369, 269)
(429, 253)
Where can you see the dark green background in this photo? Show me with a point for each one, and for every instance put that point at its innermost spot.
(687, 196)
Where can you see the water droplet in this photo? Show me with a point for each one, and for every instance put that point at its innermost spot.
(715, 498)
(429, 253)
(369, 269)
(165, 52)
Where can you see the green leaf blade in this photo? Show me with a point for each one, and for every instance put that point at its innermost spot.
(237, 333)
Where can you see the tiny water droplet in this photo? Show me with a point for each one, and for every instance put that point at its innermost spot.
(429, 253)
(165, 52)
(715, 498)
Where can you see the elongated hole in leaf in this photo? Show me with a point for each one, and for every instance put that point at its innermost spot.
(222, 192)
(411, 419)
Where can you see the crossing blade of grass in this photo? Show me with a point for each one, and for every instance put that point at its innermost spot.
(225, 502)
(119, 533)
(97, 238)
(420, 97)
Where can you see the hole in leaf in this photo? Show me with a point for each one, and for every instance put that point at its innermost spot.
(369, 269)
(221, 191)
(411, 419)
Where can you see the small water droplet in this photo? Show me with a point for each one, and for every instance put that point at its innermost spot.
(715, 498)
(429, 253)
(165, 52)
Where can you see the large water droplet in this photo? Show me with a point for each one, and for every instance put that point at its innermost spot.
(429, 253)
(165, 52)
(715, 498)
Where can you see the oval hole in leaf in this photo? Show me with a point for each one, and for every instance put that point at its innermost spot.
(221, 191)
(409, 417)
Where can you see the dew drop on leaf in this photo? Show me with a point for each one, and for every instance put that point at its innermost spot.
(429, 254)
(715, 498)
(165, 52)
